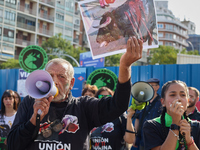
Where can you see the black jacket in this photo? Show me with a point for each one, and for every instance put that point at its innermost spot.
(77, 115)
(195, 115)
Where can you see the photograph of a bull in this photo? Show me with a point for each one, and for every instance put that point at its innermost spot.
(132, 18)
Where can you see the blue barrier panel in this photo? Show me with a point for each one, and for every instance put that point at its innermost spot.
(183, 72)
(170, 73)
(195, 76)
(135, 74)
(8, 80)
(145, 72)
(158, 72)
(188, 73)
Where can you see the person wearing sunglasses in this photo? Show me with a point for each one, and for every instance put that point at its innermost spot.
(112, 134)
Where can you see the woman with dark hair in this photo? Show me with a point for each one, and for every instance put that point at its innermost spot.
(172, 130)
(113, 135)
(7, 113)
(89, 90)
(17, 99)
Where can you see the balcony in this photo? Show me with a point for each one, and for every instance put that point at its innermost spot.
(29, 11)
(76, 40)
(25, 26)
(10, 5)
(48, 17)
(24, 42)
(61, 6)
(52, 3)
(46, 32)
(77, 12)
(1, 19)
(9, 22)
(76, 27)
(1, 2)
(8, 39)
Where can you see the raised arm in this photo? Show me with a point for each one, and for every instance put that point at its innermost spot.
(133, 53)
(111, 109)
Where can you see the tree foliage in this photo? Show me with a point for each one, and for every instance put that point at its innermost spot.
(163, 55)
(167, 54)
(56, 46)
(195, 52)
(10, 64)
(112, 60)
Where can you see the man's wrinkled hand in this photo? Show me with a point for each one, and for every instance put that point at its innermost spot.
(133, 52)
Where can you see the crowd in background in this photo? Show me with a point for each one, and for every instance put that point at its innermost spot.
(115, 131)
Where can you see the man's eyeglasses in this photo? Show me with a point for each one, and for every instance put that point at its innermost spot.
(100, 96)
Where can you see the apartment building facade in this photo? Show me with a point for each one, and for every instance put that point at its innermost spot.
(30, 22)
(171, 31)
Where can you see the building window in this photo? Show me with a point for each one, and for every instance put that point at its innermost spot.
(169, 27)
(45, 12)
(160, 25)
(1, 13)
(9, 16)
(174, 37)
(160, 42)
(27, 6)
(160, 34)
(59, 16)
(77, 22)
(169, 35)
(11, 1)
(45, 27)
(10, 34)
(25, 38)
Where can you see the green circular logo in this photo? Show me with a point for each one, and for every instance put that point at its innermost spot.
(33, 58)
(103, 77)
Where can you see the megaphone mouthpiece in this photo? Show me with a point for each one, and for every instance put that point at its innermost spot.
(42, 86)
(140, 96)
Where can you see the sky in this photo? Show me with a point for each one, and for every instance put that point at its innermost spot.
(188, 9)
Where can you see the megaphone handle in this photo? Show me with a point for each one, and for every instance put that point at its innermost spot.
(34, 136)
(134, 116)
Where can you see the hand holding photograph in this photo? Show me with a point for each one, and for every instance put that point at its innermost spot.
(109, 24)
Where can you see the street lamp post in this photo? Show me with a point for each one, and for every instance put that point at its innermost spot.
(60, 53)
(191, 46)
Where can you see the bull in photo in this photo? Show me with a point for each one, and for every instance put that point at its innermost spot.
(132, 18)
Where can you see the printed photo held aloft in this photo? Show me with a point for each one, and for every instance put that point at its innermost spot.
(109, 26)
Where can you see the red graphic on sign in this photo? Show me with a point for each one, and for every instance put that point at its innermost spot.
(80, 78)
(101, 60)
(81, 63)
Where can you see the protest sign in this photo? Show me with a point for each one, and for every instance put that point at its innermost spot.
(108, 28)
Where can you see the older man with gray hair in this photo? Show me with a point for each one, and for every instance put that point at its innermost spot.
(66, 121)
